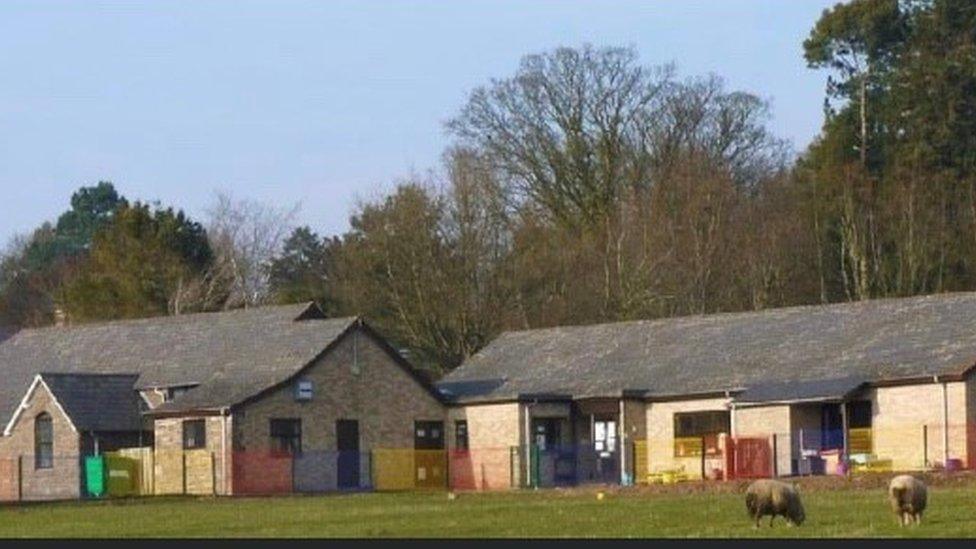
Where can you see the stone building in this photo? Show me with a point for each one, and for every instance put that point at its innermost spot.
(207, 389)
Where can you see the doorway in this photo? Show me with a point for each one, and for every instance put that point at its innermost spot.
(347, 444)
(430, 459)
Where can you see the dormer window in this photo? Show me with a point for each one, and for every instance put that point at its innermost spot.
(174, 392)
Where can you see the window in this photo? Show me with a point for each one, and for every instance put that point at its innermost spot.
(286, 436)
(859, 436)
(695, 432)
(303, 390)
(174, 392)
(194, 434)
(859, 414)
(605, 437)
(43, 442)
(545, 433)
(461, 434)
(428, 435)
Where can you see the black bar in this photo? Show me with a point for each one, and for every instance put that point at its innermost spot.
(775, 458)
(925, 446)
(183, 455)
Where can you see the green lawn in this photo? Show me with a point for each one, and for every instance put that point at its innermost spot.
(629, 513)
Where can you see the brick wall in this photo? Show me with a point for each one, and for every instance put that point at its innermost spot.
(900, 414)
(660, 435)
(493, 430)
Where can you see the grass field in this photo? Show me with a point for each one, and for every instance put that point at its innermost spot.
(543, 513)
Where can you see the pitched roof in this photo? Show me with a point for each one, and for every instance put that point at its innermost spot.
(794, 391)
(876, 340)
(98, 402)
(229, 355)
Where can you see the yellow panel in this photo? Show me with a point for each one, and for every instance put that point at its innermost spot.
(168, 472)
(393, 469)
(640, 462)
(199, 472)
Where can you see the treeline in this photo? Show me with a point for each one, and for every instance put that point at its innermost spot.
(587, 187)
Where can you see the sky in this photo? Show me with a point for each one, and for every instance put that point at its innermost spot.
(321, 103)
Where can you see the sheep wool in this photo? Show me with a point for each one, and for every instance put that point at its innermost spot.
(773, 497)
(908, 496)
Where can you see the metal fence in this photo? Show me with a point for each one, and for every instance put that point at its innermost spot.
(145, 471)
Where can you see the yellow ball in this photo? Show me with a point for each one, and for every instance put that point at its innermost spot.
(599, 496)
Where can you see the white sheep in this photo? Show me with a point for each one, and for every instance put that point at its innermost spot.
(772, 497)
(908, 496)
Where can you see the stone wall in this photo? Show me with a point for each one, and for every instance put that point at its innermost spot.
(357, 380)
(63, 480)
(200, 471)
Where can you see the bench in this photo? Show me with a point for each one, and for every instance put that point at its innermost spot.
(668, 476)
(870, 463)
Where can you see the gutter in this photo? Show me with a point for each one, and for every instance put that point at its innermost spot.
(224, 417)
(945, 419)
(528, 441)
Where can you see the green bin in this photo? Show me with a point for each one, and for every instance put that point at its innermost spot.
(95, 475)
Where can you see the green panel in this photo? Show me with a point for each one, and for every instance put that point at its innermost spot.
(95, 475)
(123, 476)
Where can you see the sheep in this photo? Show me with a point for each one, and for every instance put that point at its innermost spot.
(772, 497)
(908, 496)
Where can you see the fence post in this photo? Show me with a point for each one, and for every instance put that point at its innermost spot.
(925, 446)
(20, 477)
(703, 457)
(775, 458)
(213, 473)
(294, 457)
(447, 469)
(183, 458)
(511, 466)
(372, 473)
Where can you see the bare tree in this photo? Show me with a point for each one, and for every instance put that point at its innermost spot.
(245, 236)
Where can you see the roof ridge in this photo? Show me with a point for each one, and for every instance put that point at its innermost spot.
(754, 313)
(300, 308)
(88, 374)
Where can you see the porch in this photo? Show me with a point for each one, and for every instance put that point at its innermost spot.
(581, 441)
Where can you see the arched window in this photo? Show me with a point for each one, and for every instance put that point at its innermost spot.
(43, 441)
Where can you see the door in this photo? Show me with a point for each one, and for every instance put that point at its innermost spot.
(605, 447)
(552, 463)
(831, 427)
(430, 459)
(347, 443)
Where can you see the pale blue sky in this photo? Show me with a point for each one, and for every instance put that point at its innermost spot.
(321, 101)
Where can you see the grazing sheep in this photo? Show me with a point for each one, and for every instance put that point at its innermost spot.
(772, 497)
(908, 496)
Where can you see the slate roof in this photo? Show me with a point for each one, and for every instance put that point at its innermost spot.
(875, 340)
(791, 391)
(98, 402)
(229, 355)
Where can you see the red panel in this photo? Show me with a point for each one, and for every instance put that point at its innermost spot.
(750, 458)
(262, 473)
